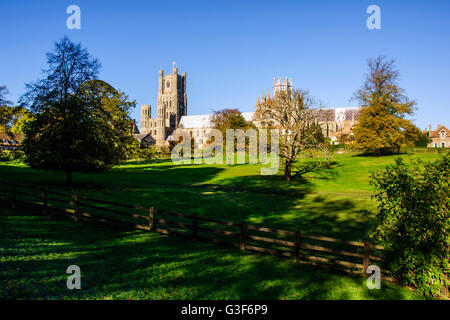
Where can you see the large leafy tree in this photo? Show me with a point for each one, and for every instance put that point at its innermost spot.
(382, 125)
(80, 124)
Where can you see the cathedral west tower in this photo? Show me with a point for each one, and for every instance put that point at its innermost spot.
(171, 106)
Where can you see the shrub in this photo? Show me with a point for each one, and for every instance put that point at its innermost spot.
(6, 156)
(148, 154)
(413, 222)
(19, 155)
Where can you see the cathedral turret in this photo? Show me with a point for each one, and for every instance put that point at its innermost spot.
(161, 82)
(183, 89)
(258, 104)
(146, 114)
(282, 85)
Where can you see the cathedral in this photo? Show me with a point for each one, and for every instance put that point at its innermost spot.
(334, 121)
(171, 113)
(171, 106)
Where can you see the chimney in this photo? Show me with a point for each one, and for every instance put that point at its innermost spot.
(429, 128)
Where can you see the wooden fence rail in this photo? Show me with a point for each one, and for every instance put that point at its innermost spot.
(343, 255)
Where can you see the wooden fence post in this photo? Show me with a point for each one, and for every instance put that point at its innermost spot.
(444, 291)
(366, 261)
(76, 206)
(243, 235)
(14, 196)
(297, 246)
(151, 217)
(195, 225)
(45, 202)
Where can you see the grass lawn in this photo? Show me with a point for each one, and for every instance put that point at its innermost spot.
(35, 252)
(328, 202)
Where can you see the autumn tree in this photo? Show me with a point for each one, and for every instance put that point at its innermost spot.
(12, 118)
(292, 113)
(382, 126)
(79, 123)
(232, 119)
(229, 119)
(20, 117)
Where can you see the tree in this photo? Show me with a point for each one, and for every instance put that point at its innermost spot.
(413, 222)
(382, 127)
(3, 93)
(229, 119)
(79, 123)
(291, 112)
(421, 140)
(345, 138)
(12, 118)
(418, 138)
(20, 117)
(5, 109)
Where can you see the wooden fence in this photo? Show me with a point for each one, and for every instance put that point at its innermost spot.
(332, 253)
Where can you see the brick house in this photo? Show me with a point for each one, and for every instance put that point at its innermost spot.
(10, 141)
(439, 138)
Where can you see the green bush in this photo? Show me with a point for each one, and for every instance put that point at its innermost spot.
(148, 154)
(19, 155)
(6, 156)
(413, 222)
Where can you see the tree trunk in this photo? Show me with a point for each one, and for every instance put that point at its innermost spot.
(68, 177)
(287, 170)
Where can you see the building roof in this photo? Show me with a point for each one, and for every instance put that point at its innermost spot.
(143, 137)
(12, 136)
(135, 129)
(204, 121)
(200, 121)
(337, 114)
(436, 133)
(329, 114)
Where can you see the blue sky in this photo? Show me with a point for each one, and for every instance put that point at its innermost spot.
(231, 50)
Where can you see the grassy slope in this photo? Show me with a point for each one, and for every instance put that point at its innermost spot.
(329, 202)
(35, 251)
(143, 266)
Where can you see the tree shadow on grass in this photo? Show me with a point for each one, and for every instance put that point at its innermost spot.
(139, 265)
(268, 200)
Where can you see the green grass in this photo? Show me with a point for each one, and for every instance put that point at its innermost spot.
(35, 252)
(328, 202)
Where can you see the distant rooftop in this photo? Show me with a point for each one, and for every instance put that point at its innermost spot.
(325, 114)
(204, 121)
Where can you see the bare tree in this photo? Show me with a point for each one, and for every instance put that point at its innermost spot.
(6, 111)
(3, 93)
(292, 113)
